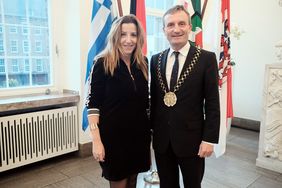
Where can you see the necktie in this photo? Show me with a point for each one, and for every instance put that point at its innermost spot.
(174, 73)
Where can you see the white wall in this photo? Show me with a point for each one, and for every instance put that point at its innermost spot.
(67, 39)
(85, 19)
(71, 26)
(261, 21)
(254, 49)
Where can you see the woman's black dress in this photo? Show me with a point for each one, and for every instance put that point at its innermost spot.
(123, 124)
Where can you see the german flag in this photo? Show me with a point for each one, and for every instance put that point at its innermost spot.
(137, 7)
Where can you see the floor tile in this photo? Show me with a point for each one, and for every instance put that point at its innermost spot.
(235, 169)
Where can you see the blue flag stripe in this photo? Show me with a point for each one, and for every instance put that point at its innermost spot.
(97, 5)
(98, 43)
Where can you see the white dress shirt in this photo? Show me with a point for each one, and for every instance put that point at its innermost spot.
(183, 52)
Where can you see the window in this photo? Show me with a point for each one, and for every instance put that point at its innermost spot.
(14, 46)
(37, 31)
(24, 21)
(2, 74)
(39, 65)
(13, 29)
(24, 30)
(2, 66)
(38, 46)
(156, 41)
(25, 46)
(26, 65)
(1, 46)
(15, 66)
(159, 4)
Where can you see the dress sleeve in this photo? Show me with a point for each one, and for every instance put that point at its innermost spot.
(96, 88)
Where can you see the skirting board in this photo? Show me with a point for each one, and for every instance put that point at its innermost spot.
(85, 150)
(246, 124)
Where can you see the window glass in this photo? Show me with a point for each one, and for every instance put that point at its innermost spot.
(24, 30)
(2, 66)
(38, 46)
(24, 62)
(14, 46)
(159, 4)
(1, 47)
(25, 46)
(15, 66)
(13, 29)
(155, 37)
(26, 65)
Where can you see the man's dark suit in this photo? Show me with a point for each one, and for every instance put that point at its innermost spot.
(196, 115)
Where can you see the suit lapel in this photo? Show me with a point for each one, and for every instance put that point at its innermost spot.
(163, 67)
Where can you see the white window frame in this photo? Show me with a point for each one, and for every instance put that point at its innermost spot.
(13, 29)
(37, 31)
(15, 67)
(26, 49)
(56, 35)
(156, 13)
(38, 48)
(39, 65)
(25, 30)
(26, 64)
(12, 46)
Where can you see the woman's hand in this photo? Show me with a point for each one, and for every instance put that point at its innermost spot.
(98, 150)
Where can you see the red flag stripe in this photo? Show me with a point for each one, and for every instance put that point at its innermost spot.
(139, 11)
(225, 61)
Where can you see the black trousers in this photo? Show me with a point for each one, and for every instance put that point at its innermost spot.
(168, 164)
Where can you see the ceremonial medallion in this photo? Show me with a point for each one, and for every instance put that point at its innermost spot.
(170, 99)
(170, 96)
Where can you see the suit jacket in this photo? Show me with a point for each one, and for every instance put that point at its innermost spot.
(196, 115)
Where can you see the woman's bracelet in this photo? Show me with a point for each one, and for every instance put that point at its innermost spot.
(93, 126)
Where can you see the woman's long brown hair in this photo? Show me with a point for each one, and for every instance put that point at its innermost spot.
(111, 54)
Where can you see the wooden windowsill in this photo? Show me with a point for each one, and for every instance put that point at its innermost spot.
(38, 100)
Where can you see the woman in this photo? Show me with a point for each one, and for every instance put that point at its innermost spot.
(117, 103)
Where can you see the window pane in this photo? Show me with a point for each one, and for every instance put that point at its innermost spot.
(155, 37)
(160, 5)
(2, 74)
(24, 43)
(39, 76)
(168, 4)
(1, 47)
(150, 3)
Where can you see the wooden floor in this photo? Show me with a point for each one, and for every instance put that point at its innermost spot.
(235, 169)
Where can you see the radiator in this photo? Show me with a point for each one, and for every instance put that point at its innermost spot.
(30, 137)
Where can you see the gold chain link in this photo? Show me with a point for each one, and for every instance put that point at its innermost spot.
(183, 76)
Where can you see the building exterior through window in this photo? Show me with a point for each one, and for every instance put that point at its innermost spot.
(24, 43)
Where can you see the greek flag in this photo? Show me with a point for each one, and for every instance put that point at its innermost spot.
(101, 21)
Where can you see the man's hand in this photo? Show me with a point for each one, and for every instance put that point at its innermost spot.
(205, 150)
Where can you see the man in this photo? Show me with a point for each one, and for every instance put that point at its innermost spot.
(185, 111)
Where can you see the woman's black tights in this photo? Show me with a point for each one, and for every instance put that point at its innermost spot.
(129, 182)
